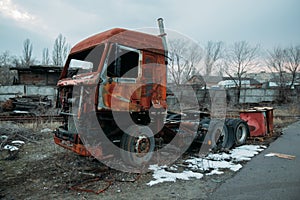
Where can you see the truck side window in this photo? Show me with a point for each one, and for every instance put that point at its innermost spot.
(123, 62)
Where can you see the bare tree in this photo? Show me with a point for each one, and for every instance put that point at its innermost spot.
(292, 62)
(5, 59)
(278, 61)
(213, 54)
(185, 56)
(239, 59)
(46, 57)
(27, 59)
(6, 75)
(60, 50)
(16, 62)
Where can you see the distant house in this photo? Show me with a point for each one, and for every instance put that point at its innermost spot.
(229, 82)
(272, 79)
(195, 79)
(275, 82)
(37, 75)
(269, 84)
(225, 82)
(261, 76)
(205, 81)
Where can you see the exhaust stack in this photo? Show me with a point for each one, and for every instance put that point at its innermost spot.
(163, 35)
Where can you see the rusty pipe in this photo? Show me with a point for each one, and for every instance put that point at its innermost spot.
(163, 36)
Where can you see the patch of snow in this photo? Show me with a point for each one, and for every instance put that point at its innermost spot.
(20, 112)
(242, 155)
(205, 164)
(252, 147)
(161, 175)
(215, 156)
(245, 152)
(212, 162)
(46, 130)
(236, 168)
(215, 171)
(174, 168)
(11, 148)
(18, 142)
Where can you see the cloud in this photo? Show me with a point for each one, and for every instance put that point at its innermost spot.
(267, 22)
(13, 11)
(17, 15)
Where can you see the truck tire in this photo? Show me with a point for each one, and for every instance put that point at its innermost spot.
(231, 141)
(138, 145)
(241, 131)
(220, 137)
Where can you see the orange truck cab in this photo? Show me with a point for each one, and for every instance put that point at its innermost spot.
(118, 70)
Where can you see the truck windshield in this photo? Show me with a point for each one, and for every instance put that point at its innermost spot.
(85, 61)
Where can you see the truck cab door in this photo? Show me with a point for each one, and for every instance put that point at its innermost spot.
(120, 77)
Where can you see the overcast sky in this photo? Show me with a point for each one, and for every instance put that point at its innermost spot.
(268, 22)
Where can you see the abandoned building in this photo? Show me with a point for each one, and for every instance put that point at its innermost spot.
(37, 75)
(35, 80)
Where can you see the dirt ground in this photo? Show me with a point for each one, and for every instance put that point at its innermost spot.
(40, 169)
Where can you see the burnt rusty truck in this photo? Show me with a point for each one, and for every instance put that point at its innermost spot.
(112, 94)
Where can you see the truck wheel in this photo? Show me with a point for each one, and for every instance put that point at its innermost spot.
(219, 136)
(138, 146)
(241, 132)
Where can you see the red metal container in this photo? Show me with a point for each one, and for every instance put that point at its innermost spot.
(256, 120)
(269, 115)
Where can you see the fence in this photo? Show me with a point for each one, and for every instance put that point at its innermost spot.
(247, 95)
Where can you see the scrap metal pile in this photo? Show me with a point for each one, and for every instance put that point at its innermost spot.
(35, 104)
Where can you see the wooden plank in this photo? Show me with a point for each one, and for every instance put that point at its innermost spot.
(281, 155)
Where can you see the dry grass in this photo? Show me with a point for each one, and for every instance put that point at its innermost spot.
(280, 122)
(287, 114)
(287, 111)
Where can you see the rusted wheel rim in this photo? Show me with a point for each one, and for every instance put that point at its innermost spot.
(142, 145)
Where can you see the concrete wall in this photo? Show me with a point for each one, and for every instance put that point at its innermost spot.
(255, 95)
(7, 92)
(247, 95)
(258, 95)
